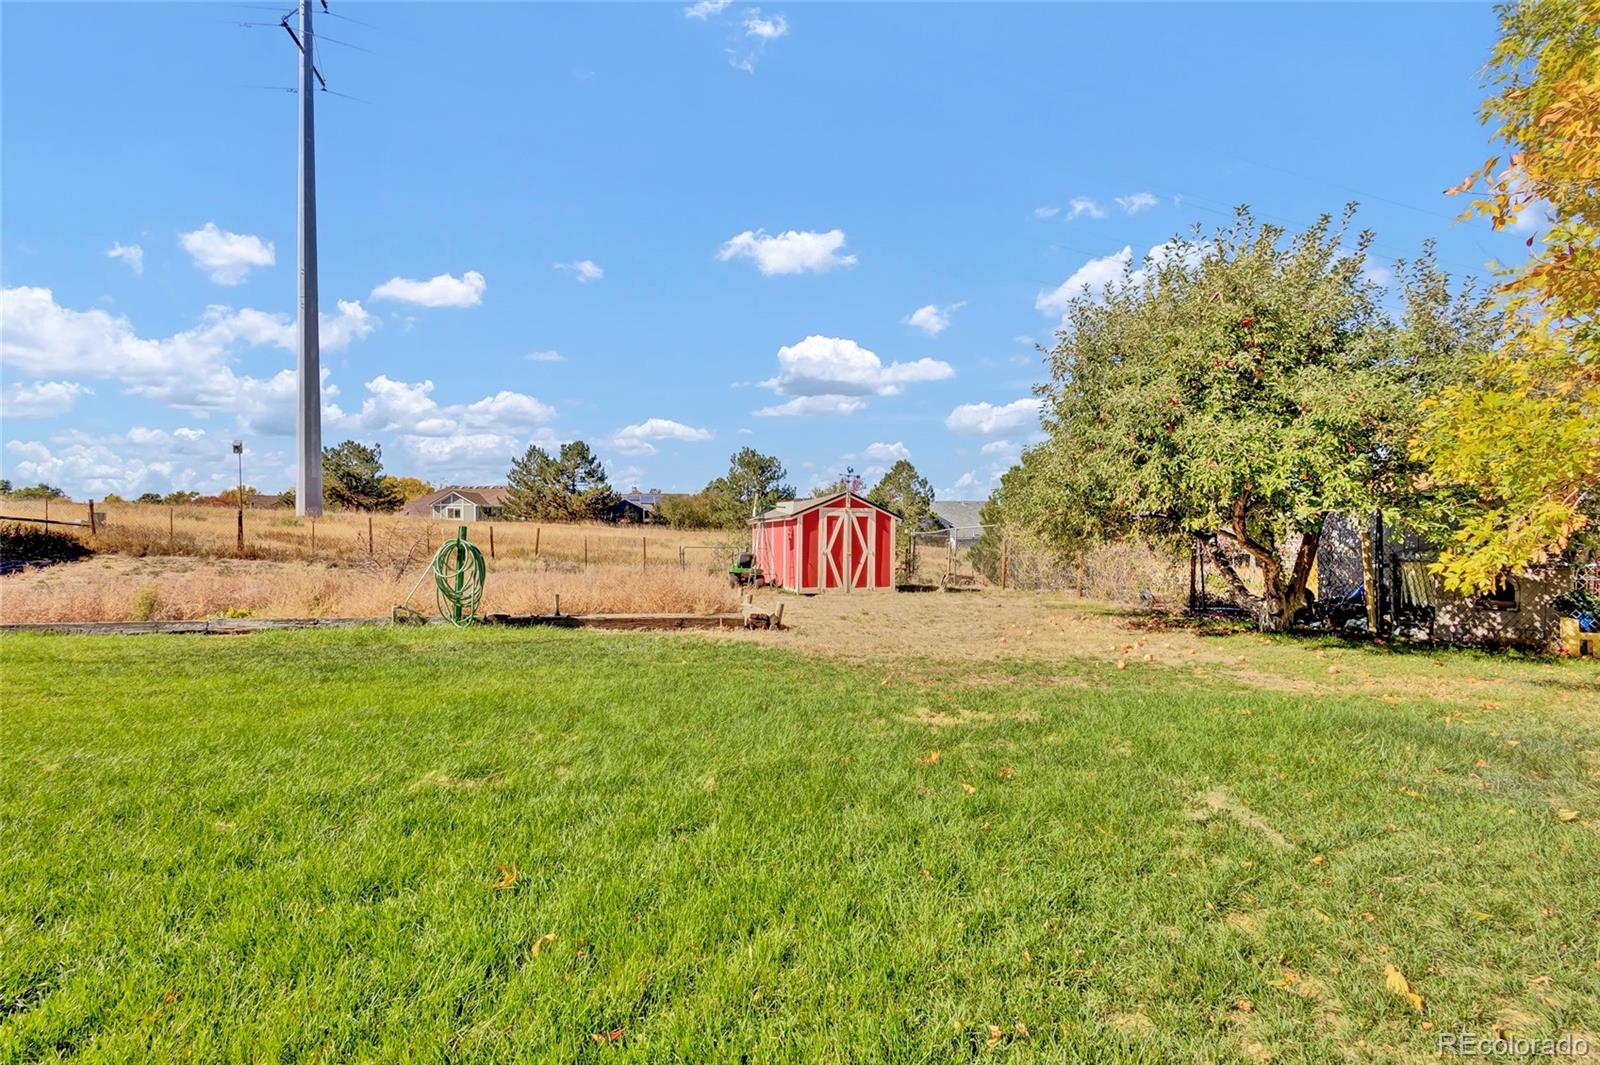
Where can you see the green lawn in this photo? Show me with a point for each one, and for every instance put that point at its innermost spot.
(286, 846)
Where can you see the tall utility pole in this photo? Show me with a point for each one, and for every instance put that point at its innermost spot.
(308, 473)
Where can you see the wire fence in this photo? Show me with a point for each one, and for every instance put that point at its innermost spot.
(392, 539)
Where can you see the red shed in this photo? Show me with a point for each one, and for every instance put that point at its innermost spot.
(829, 543)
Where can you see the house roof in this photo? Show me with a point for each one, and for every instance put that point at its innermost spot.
(958, 513)
(790, 508)
(484, 495)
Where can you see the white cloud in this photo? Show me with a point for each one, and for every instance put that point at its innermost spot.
(881, 452)
(835, 366)
(1135, 202)
(703, 9)
(132, 254)
(792, 252)
(442, 290)
(1377, 275)
(584, 270)
(1083, 207)
(768, 29)
(409, 408)
(963, 483)
(1091, 278)
(229, 256)
(813, 406)
(931, 319)
(544, 356)
(140, 460)
(637, 439)
(988, 419)
(1046, 212)
(190, 370)
(41, 399)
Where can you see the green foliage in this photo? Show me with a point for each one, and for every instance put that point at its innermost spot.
(1521, 437)
(112, 497)
(146, 601)
(906, 492)
(149, 498)
(5, 486)
(568, 486)
(1241, 387)
(754, 482)
(696, 510)
(352, 478)
(39, 491)
(180, 497)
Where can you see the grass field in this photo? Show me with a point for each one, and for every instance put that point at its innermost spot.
(530, 846)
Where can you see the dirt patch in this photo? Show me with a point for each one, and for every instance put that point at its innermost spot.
(1219, 802)
(923, 715)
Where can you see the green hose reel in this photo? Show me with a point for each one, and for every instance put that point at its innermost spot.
(458, 573)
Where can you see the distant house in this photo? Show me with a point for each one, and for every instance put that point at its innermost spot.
(636, 507)
(460, 503)
(960, 518)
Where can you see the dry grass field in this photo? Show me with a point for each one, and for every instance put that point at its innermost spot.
(391, 539)
(123, 588)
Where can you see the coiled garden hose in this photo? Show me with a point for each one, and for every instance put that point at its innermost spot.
(458, 573)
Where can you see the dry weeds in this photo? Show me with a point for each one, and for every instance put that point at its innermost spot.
(111, 588)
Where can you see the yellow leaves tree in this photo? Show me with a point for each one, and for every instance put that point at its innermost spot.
(1521, 439)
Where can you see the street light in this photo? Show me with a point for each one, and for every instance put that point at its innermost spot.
(238, 449)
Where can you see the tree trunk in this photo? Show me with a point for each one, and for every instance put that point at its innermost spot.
(1369, 577)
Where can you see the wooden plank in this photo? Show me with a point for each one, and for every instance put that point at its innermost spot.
(620, 621)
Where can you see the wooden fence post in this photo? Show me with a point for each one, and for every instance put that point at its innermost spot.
(1005, 560)
(313, 536)
(94, 530)
(241, 529)
(644, 551)
(536, 531)
(680, 556)
(585, 552)
(491, 541)
(369, 535)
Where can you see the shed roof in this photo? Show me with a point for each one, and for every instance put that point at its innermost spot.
(789, 508)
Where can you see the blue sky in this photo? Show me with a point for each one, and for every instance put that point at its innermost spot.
(829, 231)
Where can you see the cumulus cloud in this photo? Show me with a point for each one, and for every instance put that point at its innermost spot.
(836, 366)
(40, 399)
(409, 407)
(140, 460)
(1135, 202)
(190, 370)
(132, 254)
(768, 29)
(931, 319)
(639, 439)
(881, 452)
(228, 256)
(583, 270)
(813, 406)
(1046, 212)
(1091, 278)
(1083, 207)
(442, 290)
(544, 356)
(1002, 448)
(703, 9)
(792, 252)
(988, 419)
